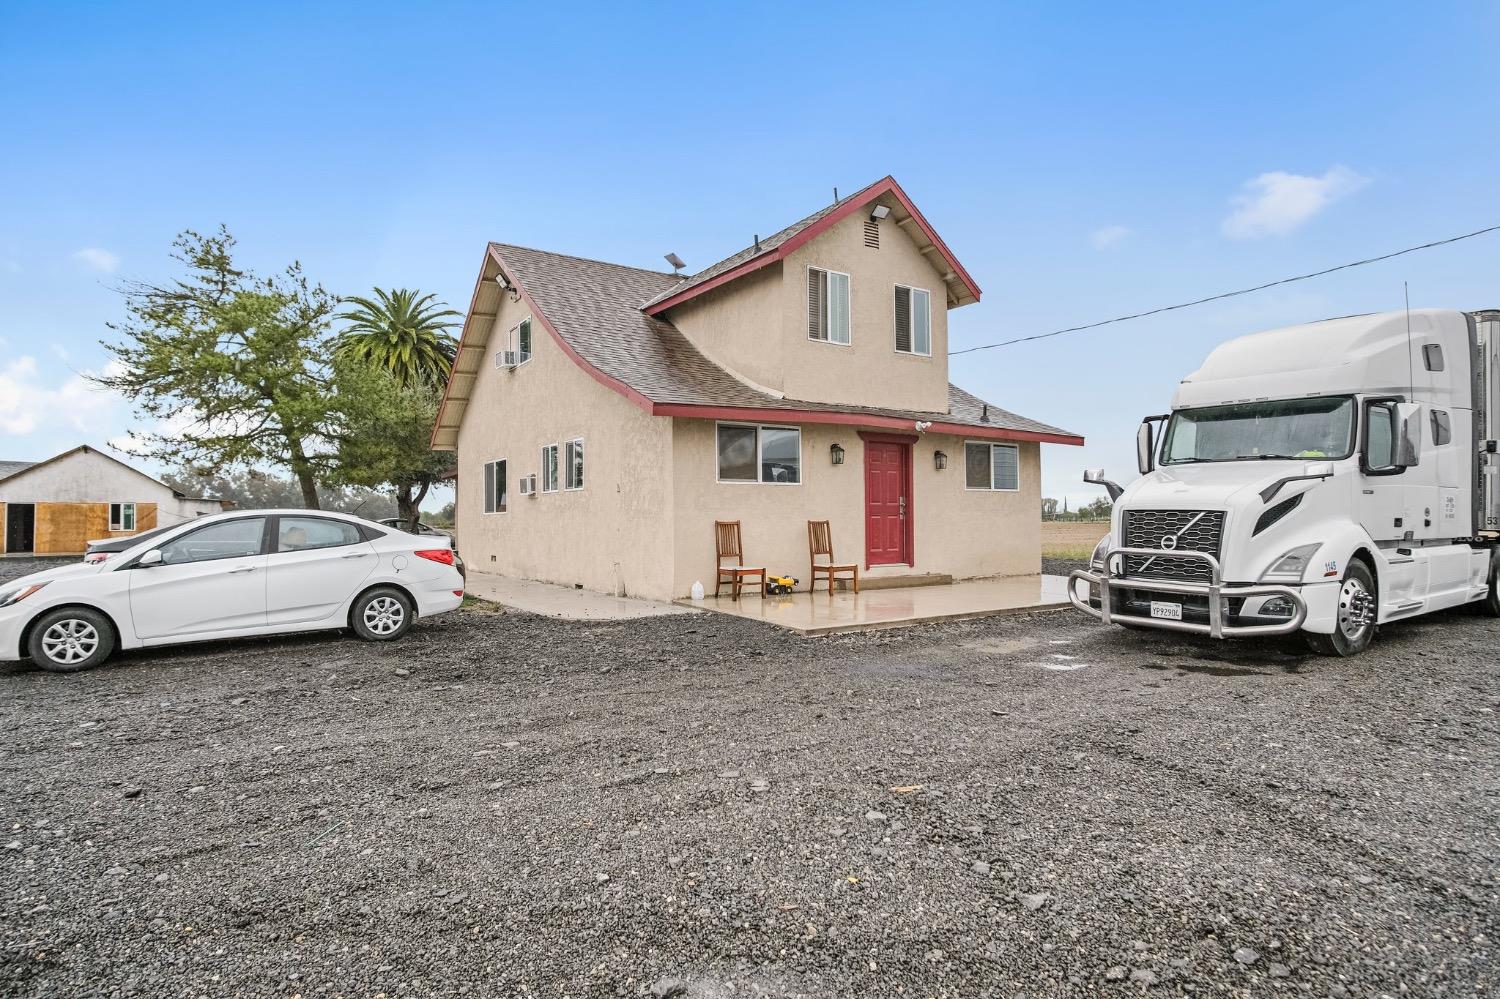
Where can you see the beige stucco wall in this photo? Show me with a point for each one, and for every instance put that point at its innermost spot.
(963, 533)
(611, 536)
(756, 326)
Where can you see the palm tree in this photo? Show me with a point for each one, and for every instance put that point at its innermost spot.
(402, 333)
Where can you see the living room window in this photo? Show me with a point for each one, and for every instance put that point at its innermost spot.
(827, 306)
(750, 453)
(992, 466)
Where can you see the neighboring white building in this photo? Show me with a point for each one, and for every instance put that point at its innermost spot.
(57, 506)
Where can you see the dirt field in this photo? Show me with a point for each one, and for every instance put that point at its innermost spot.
(1071, 539)
(505, 805)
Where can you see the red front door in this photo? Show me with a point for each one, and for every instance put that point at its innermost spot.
(888, 509)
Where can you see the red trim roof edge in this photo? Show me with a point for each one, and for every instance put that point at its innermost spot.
(886, 185)
(695, 411)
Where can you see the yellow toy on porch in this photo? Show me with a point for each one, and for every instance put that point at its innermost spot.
(779, 585)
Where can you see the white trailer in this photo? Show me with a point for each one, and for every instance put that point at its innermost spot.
(1324, 479)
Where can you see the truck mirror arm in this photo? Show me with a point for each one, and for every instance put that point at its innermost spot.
(1095, 477)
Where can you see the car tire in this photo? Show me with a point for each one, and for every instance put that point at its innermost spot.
(383, 614)
(1358, 611)
(70, 639)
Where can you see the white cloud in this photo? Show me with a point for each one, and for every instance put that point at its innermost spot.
(1108, 236)
(27, 405)
(1275, 203)
(99, 260)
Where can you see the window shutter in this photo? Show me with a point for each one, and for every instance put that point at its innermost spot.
(1007, 467)
(903, 320)
(817, 296)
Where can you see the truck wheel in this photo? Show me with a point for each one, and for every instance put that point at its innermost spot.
(1491, 601)
(1354, 627)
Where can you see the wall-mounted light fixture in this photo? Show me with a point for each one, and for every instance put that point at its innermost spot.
(879, 212)
(836, 452)
(940, 460)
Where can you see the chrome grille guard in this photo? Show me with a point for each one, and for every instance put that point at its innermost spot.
(1214, 590)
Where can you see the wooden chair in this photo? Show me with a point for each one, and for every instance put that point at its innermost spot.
(820, 542)
(727, 545)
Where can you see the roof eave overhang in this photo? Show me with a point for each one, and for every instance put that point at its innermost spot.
(970, 291)
(881, 421)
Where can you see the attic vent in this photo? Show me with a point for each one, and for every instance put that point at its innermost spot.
(872, 234)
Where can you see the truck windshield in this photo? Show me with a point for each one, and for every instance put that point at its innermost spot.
(1248, 431)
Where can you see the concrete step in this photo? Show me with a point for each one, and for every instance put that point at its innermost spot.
(911, 579)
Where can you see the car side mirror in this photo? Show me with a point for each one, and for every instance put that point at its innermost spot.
(1095, 477)
(1145, 447)
(1408, 434)
(146, 561)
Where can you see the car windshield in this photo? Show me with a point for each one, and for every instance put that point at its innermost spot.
(1250, 431)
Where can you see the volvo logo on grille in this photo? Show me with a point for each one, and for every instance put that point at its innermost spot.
(1169, 542)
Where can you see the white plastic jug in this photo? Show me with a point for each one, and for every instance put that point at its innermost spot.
(697, 590)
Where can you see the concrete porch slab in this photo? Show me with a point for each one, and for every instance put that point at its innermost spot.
(821, 614)
(562, 601)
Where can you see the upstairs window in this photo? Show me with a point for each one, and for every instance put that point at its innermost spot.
(992, 466)
(494, 487)
(827, 306)
(549, 468)
(122, 516)
(574, 466)
(516, 348)
(913, 321)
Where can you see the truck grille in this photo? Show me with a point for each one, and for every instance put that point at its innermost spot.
(1194, 531)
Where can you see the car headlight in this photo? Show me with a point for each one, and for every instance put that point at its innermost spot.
(1291, 566)
(1096, 560)
(16, 594)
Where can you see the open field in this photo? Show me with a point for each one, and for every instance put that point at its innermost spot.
(1071, 538)
(508, 805)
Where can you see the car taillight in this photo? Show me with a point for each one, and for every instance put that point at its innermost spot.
(443, 555)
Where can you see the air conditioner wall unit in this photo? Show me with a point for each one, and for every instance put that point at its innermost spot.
(528, 485)
(507, 358)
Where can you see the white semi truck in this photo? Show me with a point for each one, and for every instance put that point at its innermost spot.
(1323, 479)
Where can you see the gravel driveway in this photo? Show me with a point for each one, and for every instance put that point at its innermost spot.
(503, 805)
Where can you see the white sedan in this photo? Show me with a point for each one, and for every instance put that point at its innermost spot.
(231, 575)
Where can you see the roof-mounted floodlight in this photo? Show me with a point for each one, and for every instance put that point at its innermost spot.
(879, 212)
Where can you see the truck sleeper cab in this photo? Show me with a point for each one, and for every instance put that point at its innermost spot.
(1322, 479)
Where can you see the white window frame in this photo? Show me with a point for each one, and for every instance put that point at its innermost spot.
(991, 487)
(759, 462)
(489, 475)
(913, 353)
(807, 291)
(556, 462)
(567, 475)
(513, 340)
(119, 524)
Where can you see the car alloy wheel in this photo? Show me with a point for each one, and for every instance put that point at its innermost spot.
(70, 641)
(384, 615)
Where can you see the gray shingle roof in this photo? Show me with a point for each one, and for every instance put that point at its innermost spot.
(752, 251)
(596, 308)
(9, 468)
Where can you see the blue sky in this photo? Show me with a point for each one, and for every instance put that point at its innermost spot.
(1083, 160)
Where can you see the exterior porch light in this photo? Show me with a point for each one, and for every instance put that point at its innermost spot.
(836, 452)
(940, 460)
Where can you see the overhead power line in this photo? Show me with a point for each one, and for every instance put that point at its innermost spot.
(1224, 295)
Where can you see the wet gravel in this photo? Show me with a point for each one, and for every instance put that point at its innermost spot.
(503, 805)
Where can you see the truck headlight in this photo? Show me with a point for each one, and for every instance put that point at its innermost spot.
(16, 594)
(1291, 566)
(1096, 560)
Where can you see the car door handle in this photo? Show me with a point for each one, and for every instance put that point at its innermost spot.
(243, 568)
(357, 555)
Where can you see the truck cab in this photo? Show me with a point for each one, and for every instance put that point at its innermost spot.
(1324, 478)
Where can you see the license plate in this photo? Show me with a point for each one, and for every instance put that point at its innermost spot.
(1166, 611)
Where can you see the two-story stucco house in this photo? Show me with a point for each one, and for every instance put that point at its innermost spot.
(605, 416)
